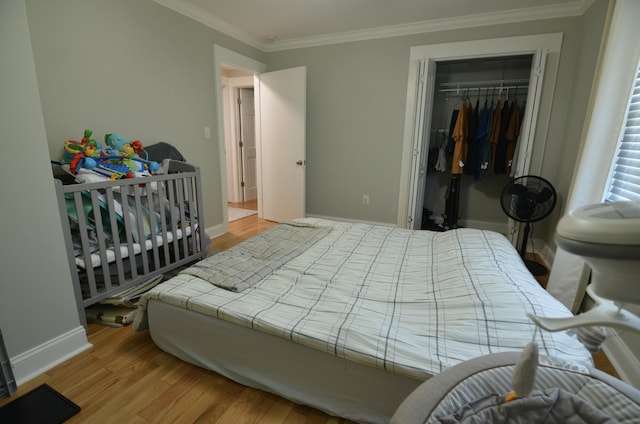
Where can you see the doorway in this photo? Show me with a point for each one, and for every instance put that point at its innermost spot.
(240, 142)
(280, 120)
(231, 71)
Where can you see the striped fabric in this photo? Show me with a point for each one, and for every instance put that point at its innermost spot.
(597, 393)
(411, 302)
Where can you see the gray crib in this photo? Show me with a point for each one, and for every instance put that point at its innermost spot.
(119, 234)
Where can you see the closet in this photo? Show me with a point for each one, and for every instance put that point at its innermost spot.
(476, 116)
(441, 77)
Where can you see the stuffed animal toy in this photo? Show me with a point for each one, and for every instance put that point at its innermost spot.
(118, 159)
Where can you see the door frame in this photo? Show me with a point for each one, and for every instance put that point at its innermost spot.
(546, 51)
(223, 56)
(230, 89)
(249, 191)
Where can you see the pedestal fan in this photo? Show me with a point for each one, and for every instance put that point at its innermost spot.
(528, 199)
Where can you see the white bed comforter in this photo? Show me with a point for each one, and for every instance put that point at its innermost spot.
(411, 302)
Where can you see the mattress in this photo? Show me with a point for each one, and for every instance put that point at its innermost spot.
(409, 303)
(110, 253)
(303, 375)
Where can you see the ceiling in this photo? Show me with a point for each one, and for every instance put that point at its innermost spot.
(272, 25)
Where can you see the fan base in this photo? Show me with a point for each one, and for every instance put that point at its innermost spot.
(535, 268)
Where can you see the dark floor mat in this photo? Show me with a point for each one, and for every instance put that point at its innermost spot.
(42, 405)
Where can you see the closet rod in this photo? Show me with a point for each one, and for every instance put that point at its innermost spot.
(497, 87)
(482, 84)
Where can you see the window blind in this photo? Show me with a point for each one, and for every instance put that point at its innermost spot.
(624, 182)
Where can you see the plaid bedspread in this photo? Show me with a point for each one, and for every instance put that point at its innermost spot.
(411, 302)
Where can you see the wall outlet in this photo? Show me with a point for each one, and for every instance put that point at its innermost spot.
(365, 199)
(207, 132)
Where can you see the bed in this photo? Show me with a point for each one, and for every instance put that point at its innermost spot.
(127, 232)
(349, 317)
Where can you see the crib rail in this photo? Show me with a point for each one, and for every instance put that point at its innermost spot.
(119, 234)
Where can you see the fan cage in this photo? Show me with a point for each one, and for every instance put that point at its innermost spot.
(528, 199)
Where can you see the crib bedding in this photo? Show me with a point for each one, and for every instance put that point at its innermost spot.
(412, 303)
(125, 252)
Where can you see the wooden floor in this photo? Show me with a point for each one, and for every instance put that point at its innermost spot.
(126, 378)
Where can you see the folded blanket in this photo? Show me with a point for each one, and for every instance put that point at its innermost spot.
(270, 250)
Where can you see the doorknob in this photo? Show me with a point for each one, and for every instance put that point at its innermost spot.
(300, 162)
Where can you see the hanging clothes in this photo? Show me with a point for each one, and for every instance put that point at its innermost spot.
(481, 140)
(451, 143)
(441, 163)
(494, 135)
(472, 141)
(513, 131)
(517, 148)
(500, 164)
(459, 135)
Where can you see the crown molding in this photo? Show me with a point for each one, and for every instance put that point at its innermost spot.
(575, 8)
(211, 21)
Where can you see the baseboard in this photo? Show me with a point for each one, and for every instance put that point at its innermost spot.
(42, 358)
(546, 253)
(621, 356)
(360, 221)
(216, 230)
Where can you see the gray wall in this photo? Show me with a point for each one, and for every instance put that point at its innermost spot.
(134, 68)
(36, 297)
(357, 94)
(146, 73)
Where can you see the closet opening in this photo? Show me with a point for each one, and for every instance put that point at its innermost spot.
(471, 144)
(474, 64)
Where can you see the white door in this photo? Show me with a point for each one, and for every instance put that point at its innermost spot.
(248, 144)
(421, 152)
(281, 135)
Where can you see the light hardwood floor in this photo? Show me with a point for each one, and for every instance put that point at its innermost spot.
(126, 378)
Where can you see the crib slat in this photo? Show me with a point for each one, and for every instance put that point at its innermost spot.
(111, 203)
(183, 217)
(148, 188)
(102, 234)
(85, 250)
(163, 221)
(171, 185)
(128, 231)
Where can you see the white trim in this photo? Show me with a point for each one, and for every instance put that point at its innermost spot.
(223, 56)
(231, 114)
(37, 360)
(357, 221)
(197, 14)
(575, 8)
(216, 230)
